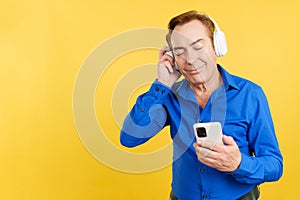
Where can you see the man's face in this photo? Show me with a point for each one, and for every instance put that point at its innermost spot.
(194, 52)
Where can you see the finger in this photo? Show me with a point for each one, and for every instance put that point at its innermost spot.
(228, 140)
(217, 147)
(206, 156)
(214, 164)
(169, 53)
(168, 58)
(203, 153)
(209, 153)
(195, 145)
(164, 59)
(207, 161)
(163, 51)
(198, 142)
(169, 66)
(207, 144)
(162, 66)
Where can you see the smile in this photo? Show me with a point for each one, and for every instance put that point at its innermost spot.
(195, 70)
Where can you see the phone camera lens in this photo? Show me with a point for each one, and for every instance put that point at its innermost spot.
(201, 132)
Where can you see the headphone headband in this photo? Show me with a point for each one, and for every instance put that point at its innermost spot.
(215, 23)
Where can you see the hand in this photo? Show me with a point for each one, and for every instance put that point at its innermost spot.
(166, 73)
(223, 157)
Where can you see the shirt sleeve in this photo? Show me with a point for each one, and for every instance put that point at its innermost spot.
(147, 117)
(266, 164)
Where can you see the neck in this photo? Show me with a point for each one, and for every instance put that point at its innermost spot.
(204, 90)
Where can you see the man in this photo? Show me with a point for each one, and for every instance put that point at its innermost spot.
(249, 154)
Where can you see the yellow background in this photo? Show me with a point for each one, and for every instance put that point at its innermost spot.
(43, 44)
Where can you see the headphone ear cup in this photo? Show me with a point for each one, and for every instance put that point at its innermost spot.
(220, 43)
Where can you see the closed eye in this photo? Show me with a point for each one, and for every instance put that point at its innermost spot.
(198, 46)
(179, 51)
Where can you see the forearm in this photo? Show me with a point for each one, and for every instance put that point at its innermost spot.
(147, 117)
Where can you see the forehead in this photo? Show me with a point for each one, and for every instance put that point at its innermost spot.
(189, 32)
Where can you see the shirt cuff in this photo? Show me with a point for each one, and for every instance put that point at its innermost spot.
(159, 90)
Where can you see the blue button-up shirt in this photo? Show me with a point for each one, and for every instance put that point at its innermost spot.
(243, 111)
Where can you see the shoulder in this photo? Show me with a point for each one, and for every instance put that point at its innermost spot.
(250, 91)
(237, 82)
(245, 84)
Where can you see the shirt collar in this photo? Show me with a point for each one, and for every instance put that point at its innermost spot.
(183, 89)
(227, 79)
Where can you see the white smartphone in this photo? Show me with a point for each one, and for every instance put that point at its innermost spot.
(210, 133)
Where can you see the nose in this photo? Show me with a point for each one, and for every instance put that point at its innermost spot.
(191, 56)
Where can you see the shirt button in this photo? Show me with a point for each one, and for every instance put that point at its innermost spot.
(202, 170)
(163, 91)
(204, 196)
(156, 89)
(142, 109)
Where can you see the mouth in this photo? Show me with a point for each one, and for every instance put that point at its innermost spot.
(194, 70)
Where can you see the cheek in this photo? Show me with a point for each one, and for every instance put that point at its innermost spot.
(181, 62)
(212, 54)
(209, 56)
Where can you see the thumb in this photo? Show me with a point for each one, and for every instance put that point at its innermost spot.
(228, 140)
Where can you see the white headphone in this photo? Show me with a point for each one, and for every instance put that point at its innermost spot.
(219, 40)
